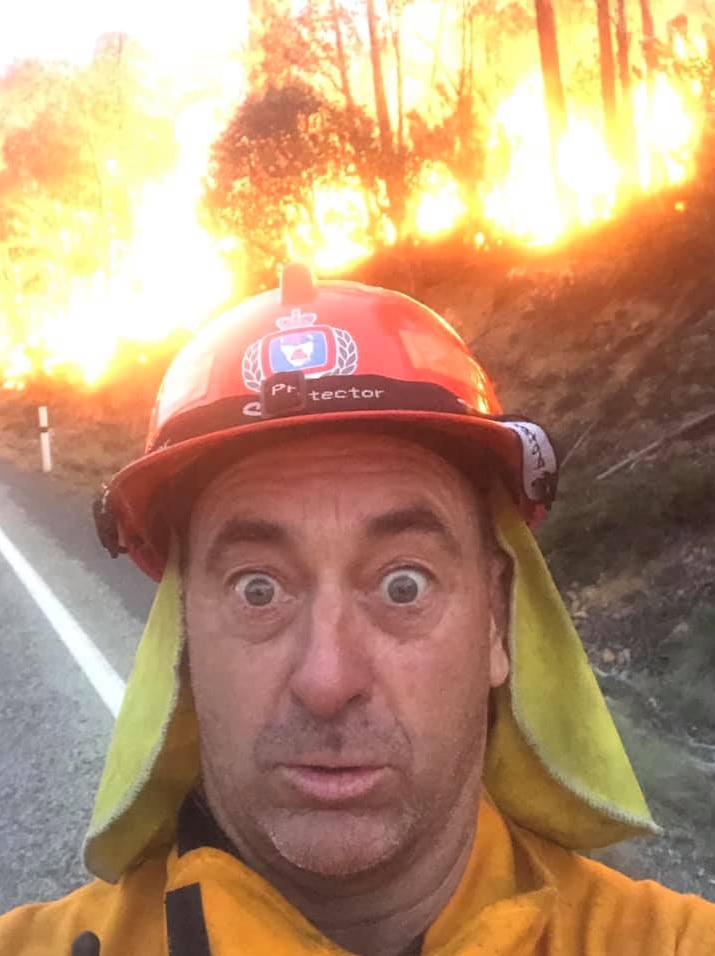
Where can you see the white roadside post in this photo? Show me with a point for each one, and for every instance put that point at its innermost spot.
(45, 448)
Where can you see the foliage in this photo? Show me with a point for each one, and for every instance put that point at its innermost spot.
(624, 519)
(691, 665)
(278, 145)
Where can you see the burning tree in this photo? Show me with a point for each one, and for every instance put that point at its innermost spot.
(342, 132)
(278, 148)
(608, 74)
(629, 156)
(649, 42)
(76, 146)
(551, 70)
(359, 126)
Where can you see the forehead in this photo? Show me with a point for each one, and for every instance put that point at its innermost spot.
(363, 473)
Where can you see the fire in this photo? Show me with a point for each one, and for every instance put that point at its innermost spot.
(526, 200)
(439, 205)
(168, 277)
(171, 273)
(337, 232)
(667, 135)
(333, 235)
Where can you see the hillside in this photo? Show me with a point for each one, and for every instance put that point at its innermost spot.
(610, 343)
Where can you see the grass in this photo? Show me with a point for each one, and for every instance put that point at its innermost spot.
(678, 788)
(626, 520)
(676, 782)
(687, 686)
(93, 432)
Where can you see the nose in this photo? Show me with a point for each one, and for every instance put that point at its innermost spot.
(332, 668)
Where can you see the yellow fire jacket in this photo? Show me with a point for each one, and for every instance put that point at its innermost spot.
(520, 895)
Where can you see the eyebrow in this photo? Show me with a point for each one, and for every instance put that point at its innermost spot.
(237, 531)
(413, 518)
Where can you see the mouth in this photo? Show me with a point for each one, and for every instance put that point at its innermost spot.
(333, 785)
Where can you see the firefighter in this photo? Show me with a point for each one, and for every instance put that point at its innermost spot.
(359, 719)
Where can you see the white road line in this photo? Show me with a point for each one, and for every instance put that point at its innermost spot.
(93, 663)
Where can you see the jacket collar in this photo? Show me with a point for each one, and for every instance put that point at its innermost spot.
(504, 898)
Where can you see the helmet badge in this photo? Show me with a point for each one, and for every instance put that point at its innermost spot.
(300, 345)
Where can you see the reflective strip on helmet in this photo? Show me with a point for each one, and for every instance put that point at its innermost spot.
(539, 463)
(291, 395)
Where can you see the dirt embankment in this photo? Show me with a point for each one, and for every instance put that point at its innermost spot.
(610, 344)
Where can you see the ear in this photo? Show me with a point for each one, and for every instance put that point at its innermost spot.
(500, 581)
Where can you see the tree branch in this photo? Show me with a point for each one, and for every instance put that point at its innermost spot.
(635, 456)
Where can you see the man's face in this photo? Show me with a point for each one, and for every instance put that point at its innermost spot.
(345, 627)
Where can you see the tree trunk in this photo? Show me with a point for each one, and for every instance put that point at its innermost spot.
(553, 86)
(623, 39)
(390, 161)
(651, 63)
(608, 75)
(647, 18)
(437, 50)
(395, 18)
(350, 108)
(648, 40)
(649, 50)
(342, 61)
(378, 81)
(466, 70)
(628, 135)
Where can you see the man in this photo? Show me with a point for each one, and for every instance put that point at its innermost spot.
(359, 719)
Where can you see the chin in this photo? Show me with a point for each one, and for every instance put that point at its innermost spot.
(338, 844)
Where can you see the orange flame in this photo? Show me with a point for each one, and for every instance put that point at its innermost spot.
(172, 274)
(168, 277)
(526, 203)
(439, 206)
(336, 235)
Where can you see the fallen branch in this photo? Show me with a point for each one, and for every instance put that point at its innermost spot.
(669, 436)
(579, 441)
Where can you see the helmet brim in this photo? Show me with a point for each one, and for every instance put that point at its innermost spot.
(133, 493)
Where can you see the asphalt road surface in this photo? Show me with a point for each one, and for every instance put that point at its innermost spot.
(54, 727)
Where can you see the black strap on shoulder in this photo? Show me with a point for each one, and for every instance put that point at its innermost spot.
(86, 944)
(197, 827)
(185, 924)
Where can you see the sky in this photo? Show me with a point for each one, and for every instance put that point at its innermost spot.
(68, 29)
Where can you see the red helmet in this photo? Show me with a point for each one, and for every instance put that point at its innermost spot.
(309, 352)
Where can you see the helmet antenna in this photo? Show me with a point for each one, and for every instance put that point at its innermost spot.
(297, 284)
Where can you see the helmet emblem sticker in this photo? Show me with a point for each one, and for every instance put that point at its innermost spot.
(301, 345)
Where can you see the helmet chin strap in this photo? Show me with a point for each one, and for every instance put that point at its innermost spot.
(107, 525)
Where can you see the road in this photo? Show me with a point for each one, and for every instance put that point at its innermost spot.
(54, 727)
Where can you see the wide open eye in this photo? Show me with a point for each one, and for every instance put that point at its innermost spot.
(404, 585)
(257, 589)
